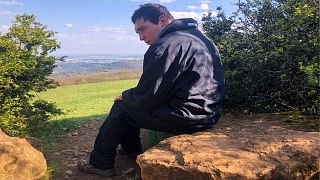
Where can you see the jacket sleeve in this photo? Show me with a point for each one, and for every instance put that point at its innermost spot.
(161, 69)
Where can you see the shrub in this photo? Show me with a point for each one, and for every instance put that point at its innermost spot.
(270, 51)
(25, 65)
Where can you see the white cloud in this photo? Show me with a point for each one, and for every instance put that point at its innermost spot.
(6, 13)
(4, 28)
(192, 7)
(62, 35)
(205, 1)
(112, 29)
(192, 14)
(68, 25)
(10, 3)
(99, 39)
(167, 1)
(202, 6)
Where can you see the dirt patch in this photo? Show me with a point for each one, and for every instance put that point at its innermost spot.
(78, 145)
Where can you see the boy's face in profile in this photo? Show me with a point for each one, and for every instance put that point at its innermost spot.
(148, 32)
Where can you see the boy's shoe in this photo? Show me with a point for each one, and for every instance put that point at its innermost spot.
(86, 167)
(129, 154)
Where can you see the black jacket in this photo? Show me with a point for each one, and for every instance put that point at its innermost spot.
(182, 77)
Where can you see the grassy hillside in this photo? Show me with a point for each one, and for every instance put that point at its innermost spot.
(80, 104)
(86, 99)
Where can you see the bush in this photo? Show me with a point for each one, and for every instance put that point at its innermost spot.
(270, 51)
(25, 65)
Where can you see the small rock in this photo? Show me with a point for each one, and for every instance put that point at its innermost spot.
(69, 172)
(129, 171)
(74, 134)
(64, 129)
(75, 154)
(86, 151)
(57, 154)
(71, 165)
(68, 151)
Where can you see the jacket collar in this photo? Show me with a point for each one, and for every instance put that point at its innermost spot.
(179, 24)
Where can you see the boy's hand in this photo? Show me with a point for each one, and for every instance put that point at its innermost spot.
(119, 98)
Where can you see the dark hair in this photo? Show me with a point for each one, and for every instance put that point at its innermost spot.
(151, 12)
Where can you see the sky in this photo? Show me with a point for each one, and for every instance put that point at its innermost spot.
(99, 27)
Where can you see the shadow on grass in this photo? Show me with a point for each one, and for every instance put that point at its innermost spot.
(56, 130)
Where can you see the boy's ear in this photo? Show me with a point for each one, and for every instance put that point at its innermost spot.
(164, 21)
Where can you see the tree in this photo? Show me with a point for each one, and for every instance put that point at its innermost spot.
(25, 65)
(270, 54)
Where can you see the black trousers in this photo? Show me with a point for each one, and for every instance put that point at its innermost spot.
(122, 126)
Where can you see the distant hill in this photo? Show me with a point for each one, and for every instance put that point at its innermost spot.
(87, 65)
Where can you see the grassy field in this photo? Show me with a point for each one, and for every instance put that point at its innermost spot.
(86, 99)
(80, 103)
(96, 77)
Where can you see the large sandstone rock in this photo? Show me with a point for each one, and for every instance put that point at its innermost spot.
(19, 160)
(250, 153)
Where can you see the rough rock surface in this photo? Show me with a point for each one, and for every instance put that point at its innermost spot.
(19, 160)
(242, 152)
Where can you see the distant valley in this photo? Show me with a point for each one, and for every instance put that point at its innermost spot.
(84, 65)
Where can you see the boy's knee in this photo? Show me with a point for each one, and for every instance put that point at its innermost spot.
(116, 111)
(117, 104)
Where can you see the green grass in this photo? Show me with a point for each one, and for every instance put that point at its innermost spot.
(86, 99)
(80, 103)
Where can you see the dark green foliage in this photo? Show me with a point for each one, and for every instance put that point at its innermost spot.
(25, 65)
(154, 137)
(270, 50)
